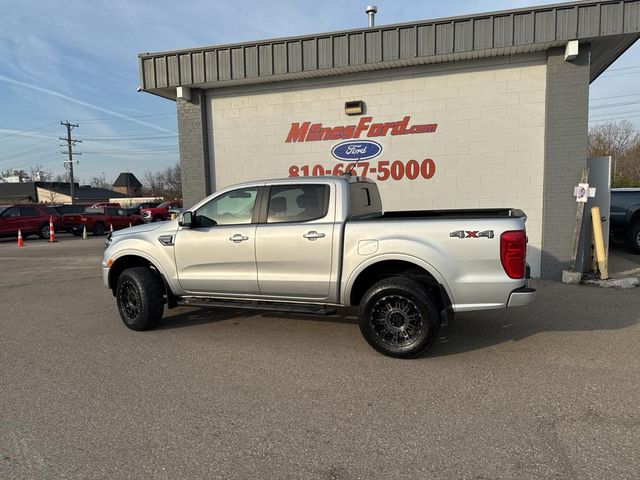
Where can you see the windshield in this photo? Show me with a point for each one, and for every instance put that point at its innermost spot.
(3, 208)
(164, 204)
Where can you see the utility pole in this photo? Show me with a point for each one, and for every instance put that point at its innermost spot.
(71, 142)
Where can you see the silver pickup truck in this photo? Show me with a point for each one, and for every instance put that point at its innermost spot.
(318, 243)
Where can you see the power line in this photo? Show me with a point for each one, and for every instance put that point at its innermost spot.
(111, 119)
(128, 139)
(615, 96)
(611, 105)
(25, 131)
(612, 119)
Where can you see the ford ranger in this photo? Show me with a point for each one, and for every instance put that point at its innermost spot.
(318, 243)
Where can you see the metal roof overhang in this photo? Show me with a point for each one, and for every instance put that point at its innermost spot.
(610, 27)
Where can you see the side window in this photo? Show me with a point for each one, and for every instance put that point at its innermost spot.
(233, 208)
(28, 212)
(11, 212)
(122, 213)
(297, 203)
(112, 211)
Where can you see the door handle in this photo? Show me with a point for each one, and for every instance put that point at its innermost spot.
(313, 235)
(237, 238)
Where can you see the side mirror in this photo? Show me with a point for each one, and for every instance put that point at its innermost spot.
(185, 219)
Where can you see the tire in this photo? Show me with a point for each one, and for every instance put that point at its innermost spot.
(139, 294)
(76, 233)
(398, 318)
(156, 219)
(634, 237)
(43, 231)
(138, 223)
(98, 229)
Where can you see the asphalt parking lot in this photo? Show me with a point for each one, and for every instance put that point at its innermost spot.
(547, 391)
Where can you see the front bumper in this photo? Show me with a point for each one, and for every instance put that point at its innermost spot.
(522, 296)
(105, 276)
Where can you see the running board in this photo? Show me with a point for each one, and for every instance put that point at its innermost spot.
(257, 305)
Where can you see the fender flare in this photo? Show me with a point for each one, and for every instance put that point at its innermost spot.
(139, 253)
(433, 271)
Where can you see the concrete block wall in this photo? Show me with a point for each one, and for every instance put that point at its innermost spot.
(194, 148)
(488, 148)
(566, 139)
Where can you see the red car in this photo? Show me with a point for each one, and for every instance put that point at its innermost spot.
(160, 213)
(99, 220)
(29, 219)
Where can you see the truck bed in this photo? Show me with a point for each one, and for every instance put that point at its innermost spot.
(480, 213)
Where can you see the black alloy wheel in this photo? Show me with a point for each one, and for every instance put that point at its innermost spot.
(398, 318)
(140, 298)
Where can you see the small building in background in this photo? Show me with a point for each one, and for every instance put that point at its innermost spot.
(17, 192)
(59, 192)
(128, 184)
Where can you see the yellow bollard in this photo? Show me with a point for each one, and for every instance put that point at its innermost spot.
(173, 215)
(599, 241)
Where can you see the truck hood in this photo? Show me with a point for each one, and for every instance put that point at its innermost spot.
(149, 227)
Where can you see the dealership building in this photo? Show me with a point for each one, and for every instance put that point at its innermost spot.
(484, 110)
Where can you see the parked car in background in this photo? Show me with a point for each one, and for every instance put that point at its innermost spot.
(159, 213)
(625, 216)
(98, 220)
(29, 219)
(135, 209)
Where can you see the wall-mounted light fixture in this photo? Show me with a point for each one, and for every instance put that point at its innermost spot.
(355, 107)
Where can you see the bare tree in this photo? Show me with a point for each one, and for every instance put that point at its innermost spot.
(100, 182)
(38, 173)
(620, 140)
(165, 183)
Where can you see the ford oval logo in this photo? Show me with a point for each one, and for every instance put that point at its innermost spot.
(356, 150)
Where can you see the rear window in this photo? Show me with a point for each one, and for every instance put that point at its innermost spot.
(364, 200)
(29, 212)
(99, 210)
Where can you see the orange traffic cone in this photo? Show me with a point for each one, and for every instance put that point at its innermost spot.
(20, 241)
(52, 236)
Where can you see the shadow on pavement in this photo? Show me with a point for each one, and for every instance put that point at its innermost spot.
(558, 308)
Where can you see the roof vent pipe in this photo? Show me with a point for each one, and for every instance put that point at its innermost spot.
(371, 12)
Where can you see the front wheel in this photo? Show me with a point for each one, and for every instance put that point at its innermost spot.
(43, 231)
(139, 294)
(398, 319)
(634, 237)
(98, 229)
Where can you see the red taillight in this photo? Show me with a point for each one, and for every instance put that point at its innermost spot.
(513, 252)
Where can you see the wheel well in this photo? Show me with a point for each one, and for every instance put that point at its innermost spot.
(392, 268)
(635, 218)
(131, 261)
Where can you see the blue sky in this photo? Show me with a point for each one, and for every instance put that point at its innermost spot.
(76, 60)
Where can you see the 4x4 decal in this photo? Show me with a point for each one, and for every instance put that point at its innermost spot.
(472, 234)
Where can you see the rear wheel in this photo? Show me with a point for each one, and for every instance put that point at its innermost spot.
(634, 237)
(98, 229)
(157, 219)
(398, 318)
(139, 293)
